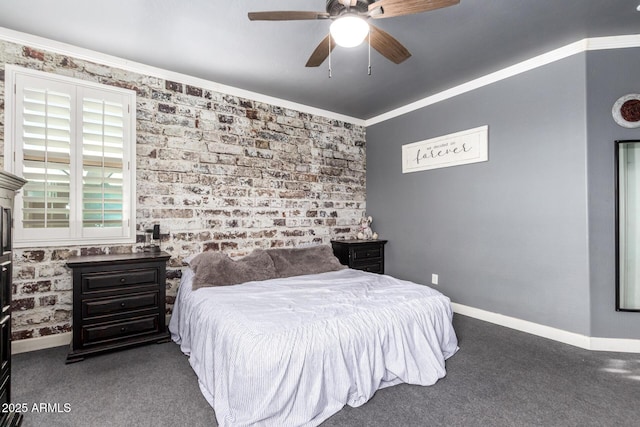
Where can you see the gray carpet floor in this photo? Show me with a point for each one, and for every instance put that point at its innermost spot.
(500, 377)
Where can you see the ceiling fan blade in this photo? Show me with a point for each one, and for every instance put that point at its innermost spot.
(390, 8)
(286, 15)
(388, 47)
(322, 51)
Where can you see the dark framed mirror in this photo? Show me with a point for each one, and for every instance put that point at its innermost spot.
(627, 157)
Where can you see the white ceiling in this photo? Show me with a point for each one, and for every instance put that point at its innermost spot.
(214, 40)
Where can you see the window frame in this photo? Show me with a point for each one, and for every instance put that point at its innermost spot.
(13, 159)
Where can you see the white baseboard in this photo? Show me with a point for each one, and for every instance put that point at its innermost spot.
(589, 343)
(615, 344)
(40, 343)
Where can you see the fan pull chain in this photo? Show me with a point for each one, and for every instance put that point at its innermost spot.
(369, 52)
(329, 56)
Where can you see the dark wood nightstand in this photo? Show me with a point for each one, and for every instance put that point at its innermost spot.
(366, 255)
(118, 302)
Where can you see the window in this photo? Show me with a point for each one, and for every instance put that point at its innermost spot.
(74, 142)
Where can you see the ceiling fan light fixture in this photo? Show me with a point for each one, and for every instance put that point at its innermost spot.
(349, 30)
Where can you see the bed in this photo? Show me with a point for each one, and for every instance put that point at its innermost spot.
(292, 350)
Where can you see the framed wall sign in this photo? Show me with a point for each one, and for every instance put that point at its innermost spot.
(460, 148)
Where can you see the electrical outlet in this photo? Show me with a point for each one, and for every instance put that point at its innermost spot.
(434, 279)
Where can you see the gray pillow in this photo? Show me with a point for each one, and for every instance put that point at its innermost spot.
(308, 260)
(217, 269)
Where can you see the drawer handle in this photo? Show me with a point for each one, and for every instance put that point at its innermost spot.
(123, 279)
(123, 329)
(122, 304)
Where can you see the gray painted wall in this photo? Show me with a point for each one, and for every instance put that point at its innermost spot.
(508, 235)
(610, 74)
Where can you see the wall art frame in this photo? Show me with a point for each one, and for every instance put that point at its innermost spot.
(460, 148)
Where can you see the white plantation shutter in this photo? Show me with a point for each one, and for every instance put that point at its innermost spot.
(46, 158)
(73, 143)
(102, 162)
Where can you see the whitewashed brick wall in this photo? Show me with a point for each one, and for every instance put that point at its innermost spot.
(217, 172)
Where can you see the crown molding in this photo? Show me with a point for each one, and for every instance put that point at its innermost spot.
(613, 42)
(147, 70)
(584, 45)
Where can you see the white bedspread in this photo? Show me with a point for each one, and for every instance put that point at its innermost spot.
(294, 351)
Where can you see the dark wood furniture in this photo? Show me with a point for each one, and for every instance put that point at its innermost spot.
(9, 184)
(367, 255)
(118, 302)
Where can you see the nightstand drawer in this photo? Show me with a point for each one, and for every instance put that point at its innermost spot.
(118, 279)
(361, 252)
(5, 286)
(129, 303)
(5, 335)
(372, 266)
(96, 334)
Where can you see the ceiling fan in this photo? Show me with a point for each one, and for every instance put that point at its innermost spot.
(349, 27)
